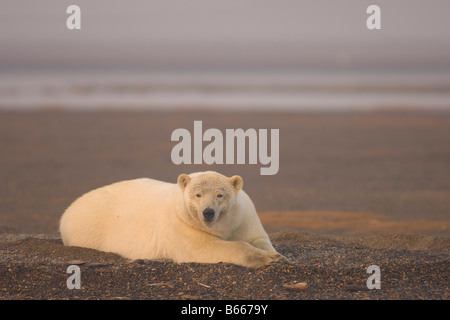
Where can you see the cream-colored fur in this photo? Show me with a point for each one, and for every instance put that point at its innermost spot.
(150, 219)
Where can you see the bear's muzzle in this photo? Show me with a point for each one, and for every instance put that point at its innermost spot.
(208, 214)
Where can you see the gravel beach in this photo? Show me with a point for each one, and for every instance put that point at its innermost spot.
(353, 190)
(35, 266)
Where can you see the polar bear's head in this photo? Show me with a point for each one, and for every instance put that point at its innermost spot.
(209, 195)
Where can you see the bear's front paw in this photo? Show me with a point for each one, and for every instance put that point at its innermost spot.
(282, 259)
(261, 258)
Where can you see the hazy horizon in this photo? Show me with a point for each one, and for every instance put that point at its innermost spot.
(258, 54)
(233, 34)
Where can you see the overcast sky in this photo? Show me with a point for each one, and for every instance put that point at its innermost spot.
(226, 33)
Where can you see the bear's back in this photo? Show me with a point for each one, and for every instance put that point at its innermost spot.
(115, 210)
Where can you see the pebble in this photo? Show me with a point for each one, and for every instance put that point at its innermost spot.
(300, 286)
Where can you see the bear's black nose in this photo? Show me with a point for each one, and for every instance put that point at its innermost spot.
(208, 214)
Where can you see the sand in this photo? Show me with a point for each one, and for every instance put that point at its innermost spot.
(353, 190)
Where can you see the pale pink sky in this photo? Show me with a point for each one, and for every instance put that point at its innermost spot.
(231, 33)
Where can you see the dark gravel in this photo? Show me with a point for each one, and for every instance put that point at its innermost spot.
(34, 267)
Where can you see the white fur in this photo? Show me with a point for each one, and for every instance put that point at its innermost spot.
(150, 219)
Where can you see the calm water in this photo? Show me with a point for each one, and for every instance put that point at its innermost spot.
(322, 91)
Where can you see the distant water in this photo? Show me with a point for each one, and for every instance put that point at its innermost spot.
(323, 91)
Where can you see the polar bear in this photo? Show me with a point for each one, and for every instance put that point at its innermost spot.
(205, 217)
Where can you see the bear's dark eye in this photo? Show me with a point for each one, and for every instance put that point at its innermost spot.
(219, 195)
(198, 195)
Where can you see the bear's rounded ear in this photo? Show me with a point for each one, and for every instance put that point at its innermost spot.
(236, 182)
(183, 180)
